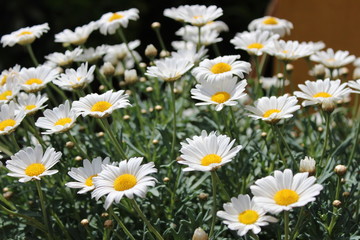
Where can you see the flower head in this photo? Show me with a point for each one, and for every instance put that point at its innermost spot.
(9, 91)
(64, 59)
(10, 73)
(78, 36)
(289, 50)
(34, 79)
(331, 59)
(31, 103)
(208, 35)
(111, 21)
(271, 24)
(355, 85)
(91, 55)
(200, 15)
(24, 36)
(9, 118)
(308, 165)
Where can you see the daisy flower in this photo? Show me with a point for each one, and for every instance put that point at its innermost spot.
(220, 69)
(207, 152)
(175, 13)
(129, 178)
(224, 93)
(91, 55)
(100, 106)
(322, 91)
(242, 214)
(24, 36)
(78, 36)
(72, 79)
(64, 59)
(255, 43)
(31, 103)
(285, 191)
(315, 46)
(289, 50)
(271, 24)
(200, 15)
(34, 79)
(207, 36)
(190, 54)
(84, 175)
(9, 91)
(9, 118)
(355, 85)
(331, 59)
(273, 109)
(169, 69)
(269, 82)
(308, 165)
(32, 163)
(59, 119)
(10, 73)
(111, 21)
(119, 52)
(180, 45)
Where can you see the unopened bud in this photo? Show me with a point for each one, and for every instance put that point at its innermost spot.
(200, 234)
(128, 92)
(158, 108)
(166, 179)
(336, 203)
(319, 71)
(263, 134)
(342, 180)
(126, 117)
(340, 170)
(100, 134)
(143, 79)
(78, 158)
(69, 144)
(308, 165)
(101, 88)
(122, 84)
(6, 189)
(143, 111)
(203, 196)
(346, 194)
(142, 65)
(104, 215)
(344, 71)
(107, 69)
(356, 73)
(164, 54)
(179, 158)
(155, 25)
(289, 67)
(130, 76)
(320, 129)
(119, 70)
(108, 223)
(149, 89)
(8, 195)
(150, 51)
(151, 109)
(280, 76)
(328, 106)
(84, 222)
(155, 141)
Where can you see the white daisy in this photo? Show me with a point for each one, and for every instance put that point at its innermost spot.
(273, 109)
(84, 175)
(221, 68)
(111, 21)
(315, 46)
(255, 43)
(285, 191)
(200, 15)
(72, 79)
(224, 93)
(269, 82)
(218, 26)
(128, 179)
(32, 163)
(91, 55)
(271, 24)
(169, 69)
(10, 73)
(308, 165)
(355, 85)
(24, 36)
(9, 91)
(77, 37)
(207, 152)
(119, 52)
(207, 36)
(356, 63)
(31, 103)
(179, 45)
(175, 13)
(289, 50)
(190, 54)
(331, 59)
(59, 119)
(100, 106)
(35, 79)
(9, 118)
(64, 59)
(242, 214)
(322, 91)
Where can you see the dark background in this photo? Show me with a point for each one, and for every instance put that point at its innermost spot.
(72, 13)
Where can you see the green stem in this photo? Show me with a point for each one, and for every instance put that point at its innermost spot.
(253, 235)
(43, 208)
(285, 143)
(159, 37)
(143, 217)
(61, 225)
(278, 145)
(334, 216)
(32, 55)
(121, 224)
(222, 187)
(173, 142)
(354, 144)
(213, 211)
(295, 233)
(258, 75)
(198, 45)
(81, 151)
(13, 139)
(286, 225)
(327, 118)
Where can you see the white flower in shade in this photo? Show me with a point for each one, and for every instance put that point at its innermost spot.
(103, 105)
(91, 55)
(111, 21)
(59, 119)
(35, 79)
(355, 85)
(25, 35)
(289, 50)
(119, 52)
(200, 15)
(175, 13)
(190, 54)
(268, 82)
(285, 191)
(72, 79)
(84, 175)
(207, 152)
(331, 59)
(78, 36)
(9, 91)
(242, 214)
(322, 92)
(9, 118)
(271, 24)
(207, 36)
(273, 109)
(221, 68)
(218, 26)
(356, 63)
(179, 45)
(64, 59)
(255, 43)
(308, 165)
(224, 93)
(10, 73)
(32, 163)
(31, 103)
(128, 179)
(315, 46)
(169, 69)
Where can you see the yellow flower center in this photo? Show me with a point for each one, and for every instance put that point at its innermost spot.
(7, 123)
(35, 169)
(89, 181)
(197, 17)
(270, 21)
(210, 158)
(63, 121)
(5, 95)
(248, 217)
(286, 197)
(24, 33)
(3, 80)
(101, 106)
(285, 51)
(220, 97)
(255, 45)
(33, 81)
(269, 112)
(220, 68)
(30, 107)
(125, 182)
(322, 94)
(331, 60)
(115, 16)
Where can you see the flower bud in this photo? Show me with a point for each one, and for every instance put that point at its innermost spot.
(107, 69)
(155, 141)
(104, 215)
(346, 194)
(143, 111)
(203, 196)
(340, 170)
(356, 73)
(6, 189)
(119, 70)
(164, 54)
(155, 25)
(143, 79)
(336, 203)
(328, 106)
(158, 108)
(100, 134)
(200, 234)
(101, 88)
(308, 165)
(126, 117)
(108, 223)
(289, 67)
(150, 51)
(84, 222)
(69, 144)
(280, 76)
(166, 179)
(149, 89)
(8, 195)
(78, 158)
(319, 71)
(263, 134)
(142, 65)
(130, 76)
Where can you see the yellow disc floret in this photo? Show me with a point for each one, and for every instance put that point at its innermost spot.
(220, 68)
(269, 112)
(35, 169)
(24, 33)
(255, 45)
(101, 106)
(286, 197)
(89, 181)
(30, 107)
(220, 97)
(115, 16)
(33, 81)
(5, 95)
(63, 121)
(322, 94)
(270, 21)
(210, 158)
(248, 217)
(7, 123)
(125, 182)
